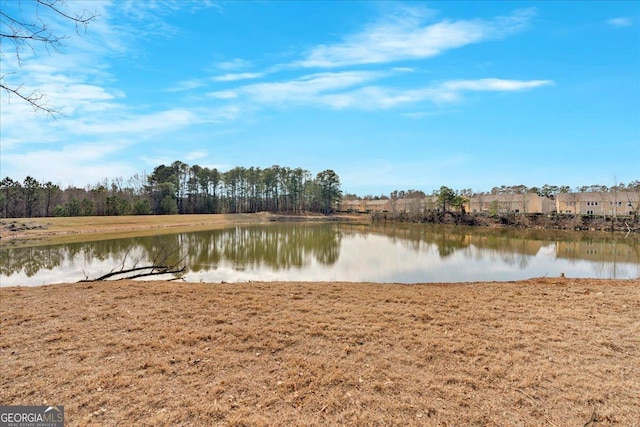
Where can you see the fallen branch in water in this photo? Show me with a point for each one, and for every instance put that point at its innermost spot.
(154, 271)
(158, 267)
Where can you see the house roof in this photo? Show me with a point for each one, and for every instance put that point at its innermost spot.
(610, 196)
(483, 198)
(377, 202)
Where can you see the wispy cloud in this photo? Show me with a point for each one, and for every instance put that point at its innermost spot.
(96, 112)
(149, 17)
(306, 88)
(186, 85)
(234, 65)
(191, 84)
(223, 94)
(410, 38)
(342, 90)
(195, 155)
(141, 124)
(422, 114)
(375, 97)
(79, 83)
(231, 77)
(620, 22)
(492, 85)
(74, 164)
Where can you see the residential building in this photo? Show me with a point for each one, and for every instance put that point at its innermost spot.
(609, 203)
(357, 205)
(509, 203)
(366, 205)
(383, 205)
(414, 205)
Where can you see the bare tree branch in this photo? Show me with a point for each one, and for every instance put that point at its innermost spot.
(35, 98)
(31, 32)
(153, 271)
(159, 266)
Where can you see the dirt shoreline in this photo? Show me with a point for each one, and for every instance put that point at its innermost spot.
(538, 352)
(65, 230)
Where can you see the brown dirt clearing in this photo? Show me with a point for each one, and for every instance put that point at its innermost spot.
(538, 352)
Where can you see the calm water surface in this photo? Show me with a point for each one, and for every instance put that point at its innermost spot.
(337, 252)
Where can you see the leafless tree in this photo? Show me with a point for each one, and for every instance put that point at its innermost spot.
(31, 28)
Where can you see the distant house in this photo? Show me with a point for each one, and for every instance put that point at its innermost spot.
(610, 203)
(408, 205)
(366, 205)
(383, 205)
(510, 203)
(414, 205)
(357, 205)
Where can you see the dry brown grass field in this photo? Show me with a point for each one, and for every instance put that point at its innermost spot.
(542, 352)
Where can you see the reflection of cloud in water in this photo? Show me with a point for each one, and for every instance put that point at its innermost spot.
(69, 271)
(379, 259)
(74, 267)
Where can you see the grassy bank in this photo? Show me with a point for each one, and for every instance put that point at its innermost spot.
(74, 229)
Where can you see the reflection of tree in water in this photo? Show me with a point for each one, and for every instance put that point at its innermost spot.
(447, 240)
(450, 243)
(512, 247)
(33, 259)
(285, 246)
(29, 260)
(280, 246)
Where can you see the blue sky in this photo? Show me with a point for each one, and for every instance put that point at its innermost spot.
(390, 95)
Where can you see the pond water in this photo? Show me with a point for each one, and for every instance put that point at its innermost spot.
(336, 252)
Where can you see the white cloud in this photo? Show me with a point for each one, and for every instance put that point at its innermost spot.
(492, 85)
(198, 83)
(146, 19)
(186, 85)
(445, 93)
(409, 38)
(76, 164)
(136, 127)
(421, 114)
(620, 22)
(230, 77)
(403, 69)
(306, 88)
(195, 155)
(343, 90)
(234, 65)
(81, 84)
(223, 94)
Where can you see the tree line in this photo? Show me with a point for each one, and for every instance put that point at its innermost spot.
(547, 190)
(177, 188)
